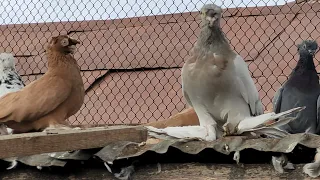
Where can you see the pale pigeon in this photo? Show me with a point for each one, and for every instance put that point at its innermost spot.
(216, 82)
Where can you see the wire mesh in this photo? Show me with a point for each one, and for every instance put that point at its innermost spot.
(132, 52)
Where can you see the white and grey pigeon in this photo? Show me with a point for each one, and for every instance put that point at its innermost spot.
(301, 89)
(10, 81)
(216, 82)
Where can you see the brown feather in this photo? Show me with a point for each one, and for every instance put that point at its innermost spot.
(51, 99)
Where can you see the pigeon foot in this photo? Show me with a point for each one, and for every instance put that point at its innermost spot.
(205, 133)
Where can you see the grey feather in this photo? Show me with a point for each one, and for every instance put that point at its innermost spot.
(281, 122)
(248, 89)
(318, 115)
(276, 101)
(271, 132)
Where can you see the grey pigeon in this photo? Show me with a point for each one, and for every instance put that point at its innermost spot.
(301, 89)
(216, 82)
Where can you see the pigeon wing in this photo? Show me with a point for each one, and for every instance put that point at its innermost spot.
(35, 100)
(248, 89)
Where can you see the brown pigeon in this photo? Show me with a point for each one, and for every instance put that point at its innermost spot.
(50, 100)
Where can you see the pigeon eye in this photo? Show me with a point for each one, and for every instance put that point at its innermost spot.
(211, 13)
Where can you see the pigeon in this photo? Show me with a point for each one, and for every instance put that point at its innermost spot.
(10, 81)
(301, 89)
(47, 102)
(216, 82)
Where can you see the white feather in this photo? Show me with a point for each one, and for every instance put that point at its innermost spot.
(9, 78)
(247, 87)
(181, 132)
(253, 122)
(271, 132)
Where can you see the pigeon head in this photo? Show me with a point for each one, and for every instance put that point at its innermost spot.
(63, 43)
(211, 14)
(7, 61)
(309, 46)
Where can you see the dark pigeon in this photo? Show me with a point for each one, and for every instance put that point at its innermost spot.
(301, 89)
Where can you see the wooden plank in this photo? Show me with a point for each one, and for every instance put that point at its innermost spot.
(67, 140)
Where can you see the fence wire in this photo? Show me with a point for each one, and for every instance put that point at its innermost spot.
(131, 54)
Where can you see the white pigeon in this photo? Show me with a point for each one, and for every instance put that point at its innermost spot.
(10, 81)
(216, 82)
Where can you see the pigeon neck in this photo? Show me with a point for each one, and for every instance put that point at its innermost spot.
(304, 74)
(305, 62)
(213, 38)
(59, 59)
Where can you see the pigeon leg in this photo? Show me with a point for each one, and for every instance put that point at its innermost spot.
(17, 128)
(313, 169)
(207, 121)
(211, 133)
(53, 127)
(3, 130)
(278, 163)
(184, 132)
(207, 131)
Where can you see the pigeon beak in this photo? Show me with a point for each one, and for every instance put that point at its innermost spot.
(312, 52)
(211, 20)
(73, 41)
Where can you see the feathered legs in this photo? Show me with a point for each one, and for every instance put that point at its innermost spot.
(206, 131)
(206, 121)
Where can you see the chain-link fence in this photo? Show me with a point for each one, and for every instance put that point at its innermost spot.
(132, 52)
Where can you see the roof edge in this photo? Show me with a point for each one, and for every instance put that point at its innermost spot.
(92, 25)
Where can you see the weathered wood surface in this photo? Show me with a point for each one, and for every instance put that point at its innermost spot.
(168, 171)
(18, 145)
